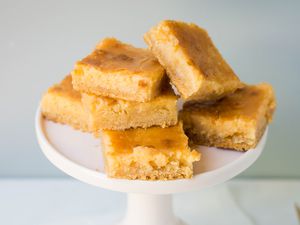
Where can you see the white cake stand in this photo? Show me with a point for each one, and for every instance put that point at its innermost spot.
(79, 155)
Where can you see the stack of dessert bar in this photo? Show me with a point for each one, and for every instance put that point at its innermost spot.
(123, 94)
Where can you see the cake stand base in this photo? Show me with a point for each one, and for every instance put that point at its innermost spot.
(148, 209)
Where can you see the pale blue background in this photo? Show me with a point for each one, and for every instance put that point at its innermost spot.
(41, 40)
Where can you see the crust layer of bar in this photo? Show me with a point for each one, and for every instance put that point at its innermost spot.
(62, 104)
(191, 60)
(236, 122)
(117, 114)
(119, 70)
(149, 154)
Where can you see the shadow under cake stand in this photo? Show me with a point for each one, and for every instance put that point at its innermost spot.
(79, 155)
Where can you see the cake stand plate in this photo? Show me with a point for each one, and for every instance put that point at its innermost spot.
(79, 155)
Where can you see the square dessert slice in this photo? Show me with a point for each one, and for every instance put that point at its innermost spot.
(148, 154)
(118, 70)
(62, 104)
(191, 60)
(236, 122)
(118, 114)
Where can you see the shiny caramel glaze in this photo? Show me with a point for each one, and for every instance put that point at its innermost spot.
(112, 55)
(164, 139)
(245, 102)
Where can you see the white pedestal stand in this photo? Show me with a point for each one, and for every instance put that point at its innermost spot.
(150, 209)
(149, 202)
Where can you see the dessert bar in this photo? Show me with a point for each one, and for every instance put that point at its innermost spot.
(148, 154)
(191, 60)
(118, 70)
(236, 122)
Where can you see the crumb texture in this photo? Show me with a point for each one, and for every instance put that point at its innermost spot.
(117, 114)
(62, 104)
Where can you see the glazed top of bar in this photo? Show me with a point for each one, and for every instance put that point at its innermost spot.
(168, 139)
(244, 102)
(112, 55)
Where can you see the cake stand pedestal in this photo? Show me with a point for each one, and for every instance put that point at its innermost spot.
(148, 209)
(79, 155)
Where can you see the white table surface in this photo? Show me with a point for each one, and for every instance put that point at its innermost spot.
(53, 201)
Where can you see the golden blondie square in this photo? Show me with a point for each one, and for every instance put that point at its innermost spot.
(118, 114)
(236, 122)
(62, 104)
(191, 60)
(148, 154)
(118, 70)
